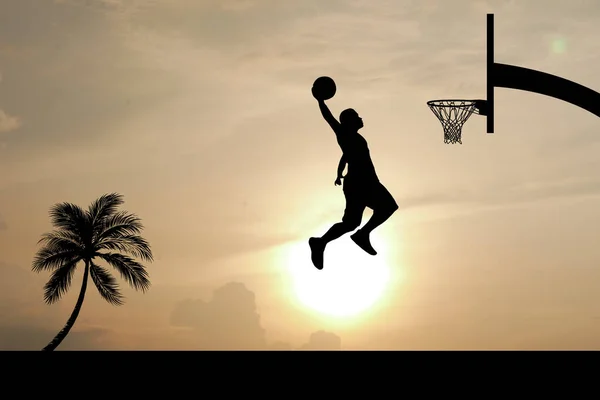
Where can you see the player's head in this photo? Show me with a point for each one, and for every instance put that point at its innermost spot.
(349, 118)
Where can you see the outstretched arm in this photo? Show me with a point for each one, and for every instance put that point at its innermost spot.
(335, 125)
(340, 170)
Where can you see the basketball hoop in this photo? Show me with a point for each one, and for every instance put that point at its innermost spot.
(453, 114)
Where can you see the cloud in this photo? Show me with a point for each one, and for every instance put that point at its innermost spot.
(8, 122)
(280, 346)
(322, 340)
(62, 52)
(319, 340)
(230, 321)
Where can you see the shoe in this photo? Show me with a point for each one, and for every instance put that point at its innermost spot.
(317, 248)
(362, 240)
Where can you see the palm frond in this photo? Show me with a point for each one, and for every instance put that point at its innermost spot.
(70, 217)
(131, 244)
(106, 284)
(120, 224)
(53, 259)
(133, 272)
(105, 206)
(102, 208)
(59, 282)
(61, 241)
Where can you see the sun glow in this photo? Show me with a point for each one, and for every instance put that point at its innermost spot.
(350, 282)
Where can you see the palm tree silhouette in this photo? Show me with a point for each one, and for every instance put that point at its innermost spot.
(80, 236)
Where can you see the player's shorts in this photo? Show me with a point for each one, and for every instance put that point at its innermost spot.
(360, 195)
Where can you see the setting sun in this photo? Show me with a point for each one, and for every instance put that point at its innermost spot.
(350, 283)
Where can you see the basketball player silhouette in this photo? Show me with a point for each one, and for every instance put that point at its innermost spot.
(361, 187)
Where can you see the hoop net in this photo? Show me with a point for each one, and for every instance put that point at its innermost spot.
(452, 114)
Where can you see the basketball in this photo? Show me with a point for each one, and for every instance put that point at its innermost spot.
(323, 88)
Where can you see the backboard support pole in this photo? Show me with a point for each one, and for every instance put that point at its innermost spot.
(490, 73)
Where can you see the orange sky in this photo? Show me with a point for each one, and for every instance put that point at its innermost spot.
(200, 114)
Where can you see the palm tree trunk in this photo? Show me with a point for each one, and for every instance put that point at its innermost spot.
(64, 331)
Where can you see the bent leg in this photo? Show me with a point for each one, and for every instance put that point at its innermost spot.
(384, 206)
(379, 217)
(355, 207)
(336, 231)
(351, 220)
